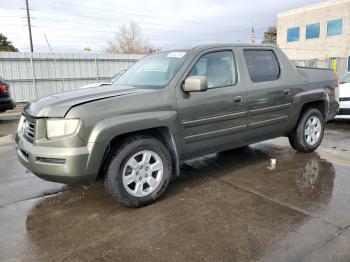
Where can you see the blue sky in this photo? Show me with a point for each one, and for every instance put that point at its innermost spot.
(167, 24)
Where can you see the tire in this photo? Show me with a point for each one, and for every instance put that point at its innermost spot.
(133, 181)
(307, 140)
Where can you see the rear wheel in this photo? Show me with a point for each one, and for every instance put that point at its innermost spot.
(308, 134)
(139, 171)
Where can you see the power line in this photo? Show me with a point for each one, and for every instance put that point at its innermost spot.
(145, 31)
(14, 8)
(12, 25)
(178, 28)
(106, 32)
(80, 30)
(112, 20)
(84, 41)
(128, 19)
(103, 42)
(164, 40)
(139, 22)
(108, 25)
(218, 28)
(134, 14)
(12, 16)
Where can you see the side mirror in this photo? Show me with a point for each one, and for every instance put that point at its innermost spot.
(195, 84)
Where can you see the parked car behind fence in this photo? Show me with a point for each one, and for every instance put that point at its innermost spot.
(6, 102)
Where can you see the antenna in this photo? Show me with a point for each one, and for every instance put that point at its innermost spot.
(54, 62)
(48, 44)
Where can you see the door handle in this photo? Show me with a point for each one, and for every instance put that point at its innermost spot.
(238, 99)
(286, 91)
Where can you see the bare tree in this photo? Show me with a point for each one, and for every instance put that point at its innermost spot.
(129, 40)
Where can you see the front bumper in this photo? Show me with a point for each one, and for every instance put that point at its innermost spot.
(64, 165)
(344, 110)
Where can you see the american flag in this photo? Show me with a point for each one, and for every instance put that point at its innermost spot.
(252, 36)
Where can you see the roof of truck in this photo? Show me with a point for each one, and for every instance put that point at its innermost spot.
(203, 47)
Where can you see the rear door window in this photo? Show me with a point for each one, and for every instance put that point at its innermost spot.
(262, 65)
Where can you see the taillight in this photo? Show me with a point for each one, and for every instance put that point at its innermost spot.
(3, 88)
(336, 89)
(337, 83)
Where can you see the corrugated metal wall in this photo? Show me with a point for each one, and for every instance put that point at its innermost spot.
(36, 75)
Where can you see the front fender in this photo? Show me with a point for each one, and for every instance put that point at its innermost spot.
(107, 129)
(111, 127)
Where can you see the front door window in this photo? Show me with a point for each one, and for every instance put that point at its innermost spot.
(218, 67)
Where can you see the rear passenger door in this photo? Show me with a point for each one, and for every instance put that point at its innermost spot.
(269, 95)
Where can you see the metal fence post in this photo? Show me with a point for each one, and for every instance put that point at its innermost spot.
(96, 67)
(33, 75)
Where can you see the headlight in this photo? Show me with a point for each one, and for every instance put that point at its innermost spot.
(56, 128)
(20, 124)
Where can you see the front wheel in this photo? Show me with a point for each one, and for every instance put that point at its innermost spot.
(139, 171)
(308, 134)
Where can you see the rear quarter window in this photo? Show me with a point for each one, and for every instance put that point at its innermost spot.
(262, 65)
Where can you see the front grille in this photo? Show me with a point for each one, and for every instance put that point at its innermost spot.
(29, 129)
(343, 99)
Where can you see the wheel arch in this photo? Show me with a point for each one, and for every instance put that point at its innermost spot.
(162, 133)
(319, 104)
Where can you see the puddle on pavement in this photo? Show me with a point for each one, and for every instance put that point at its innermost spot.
(217, 197)
(6, 125)
(302, 181)
(6, 139)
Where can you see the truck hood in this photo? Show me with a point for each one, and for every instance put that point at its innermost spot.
(58, 105)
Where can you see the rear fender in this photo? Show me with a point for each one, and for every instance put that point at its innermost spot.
(301, 100)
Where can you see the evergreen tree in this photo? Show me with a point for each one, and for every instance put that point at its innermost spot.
(5, 45)
(270, 36)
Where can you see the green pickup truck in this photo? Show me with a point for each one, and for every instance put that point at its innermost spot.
(170, 107)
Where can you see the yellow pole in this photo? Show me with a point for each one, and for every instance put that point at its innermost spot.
(334, 64)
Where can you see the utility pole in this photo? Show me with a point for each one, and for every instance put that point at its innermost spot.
(29, 27)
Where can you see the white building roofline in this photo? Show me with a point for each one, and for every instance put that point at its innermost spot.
(312, 7)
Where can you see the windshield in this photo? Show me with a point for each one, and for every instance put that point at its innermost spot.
(116, 76)
(153, 71)
(345, 78)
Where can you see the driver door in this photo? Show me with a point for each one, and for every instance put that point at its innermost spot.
(215, 119)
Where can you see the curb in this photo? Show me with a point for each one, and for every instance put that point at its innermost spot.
(14, 114)
(10, 116)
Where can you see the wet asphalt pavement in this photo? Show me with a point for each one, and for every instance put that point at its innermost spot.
(230, 206)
